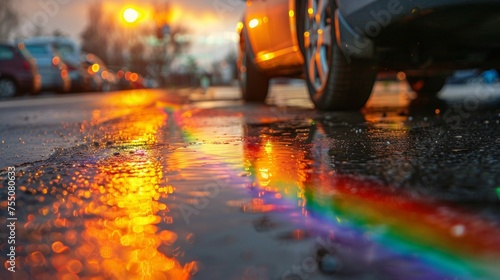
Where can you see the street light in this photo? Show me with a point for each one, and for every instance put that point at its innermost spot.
(130, 15)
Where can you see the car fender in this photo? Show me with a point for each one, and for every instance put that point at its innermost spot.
(271, 38)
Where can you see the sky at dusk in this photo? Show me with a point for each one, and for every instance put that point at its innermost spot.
(211, 22)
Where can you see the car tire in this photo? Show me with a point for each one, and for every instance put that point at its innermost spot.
(428, 86)
(334, 82)
(254, 84)
(8, 88)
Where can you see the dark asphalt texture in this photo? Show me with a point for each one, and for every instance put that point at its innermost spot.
(76, 158)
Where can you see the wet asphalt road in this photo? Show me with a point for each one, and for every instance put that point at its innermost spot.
(178, 184)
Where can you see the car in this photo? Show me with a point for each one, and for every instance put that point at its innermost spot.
(340, 46)
(69, 52)
(18, 71)
(467, 76)
(103, 79)
(53, 71)
(127, 80)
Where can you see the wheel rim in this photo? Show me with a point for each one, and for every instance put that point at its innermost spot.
(7, 88)
(318, 42)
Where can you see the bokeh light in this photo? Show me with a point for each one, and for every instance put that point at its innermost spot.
(130, 15)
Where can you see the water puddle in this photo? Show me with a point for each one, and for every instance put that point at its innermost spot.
(172, 192)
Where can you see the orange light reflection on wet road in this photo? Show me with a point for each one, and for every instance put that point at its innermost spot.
(108, 218)
(126, 193)
(277, 168)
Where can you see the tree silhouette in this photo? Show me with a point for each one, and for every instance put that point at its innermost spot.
(115, 43)
(170, 44)
(96, 36)
(9, 19)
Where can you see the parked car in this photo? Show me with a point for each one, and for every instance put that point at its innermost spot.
(18, 71)
(129, 80)
(464, 76)
(103, 79)
(339, 46)
(69, 52)
(52, 69)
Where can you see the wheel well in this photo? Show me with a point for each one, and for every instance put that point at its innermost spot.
(9, 77)
(298, 14)
(242, 40)
(241, 50)
(13, 80)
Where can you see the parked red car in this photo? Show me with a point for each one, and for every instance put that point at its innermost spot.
(18, 71)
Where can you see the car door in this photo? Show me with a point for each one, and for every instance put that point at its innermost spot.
(7, 57)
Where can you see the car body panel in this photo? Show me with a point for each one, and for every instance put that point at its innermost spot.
(359, 13)
(18, 66)
(400, 35)
(52, 69)
(369, 28)
(273, 51)
(103, 78)
(69, 52)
